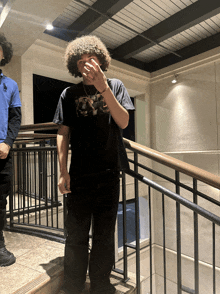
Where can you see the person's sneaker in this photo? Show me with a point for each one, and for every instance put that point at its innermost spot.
(6, 258)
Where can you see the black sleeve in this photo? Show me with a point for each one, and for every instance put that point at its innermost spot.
(14, 122)
(121, 94)
(65, 109)
(58, 116)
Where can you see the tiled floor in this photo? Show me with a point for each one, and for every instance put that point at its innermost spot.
(39, 267)
(34, 257)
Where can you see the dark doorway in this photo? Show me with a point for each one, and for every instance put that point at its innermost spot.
(46, 95)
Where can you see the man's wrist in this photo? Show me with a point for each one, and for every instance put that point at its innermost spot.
(106, 88)
(7, 145)
(63, 173)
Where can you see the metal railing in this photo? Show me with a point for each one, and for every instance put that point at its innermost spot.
(36, 207)
(196, 175)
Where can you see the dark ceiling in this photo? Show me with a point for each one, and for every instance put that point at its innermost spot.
(149, 35)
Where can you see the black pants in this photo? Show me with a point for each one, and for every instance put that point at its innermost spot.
(5, 187)
(100, 202)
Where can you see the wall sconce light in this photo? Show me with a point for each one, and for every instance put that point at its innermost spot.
(174, 80)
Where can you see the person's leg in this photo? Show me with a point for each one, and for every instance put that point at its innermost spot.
(76, 249)
(6, 257)
(102, 253)
(3, 203)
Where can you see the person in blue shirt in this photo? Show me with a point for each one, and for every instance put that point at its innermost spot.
(10, 120)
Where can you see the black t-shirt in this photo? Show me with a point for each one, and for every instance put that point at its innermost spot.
(96, 141)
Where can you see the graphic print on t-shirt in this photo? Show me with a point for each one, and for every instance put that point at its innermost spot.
(91, 105)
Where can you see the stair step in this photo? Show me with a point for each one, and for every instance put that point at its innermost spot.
(51, 282)
(39, 267)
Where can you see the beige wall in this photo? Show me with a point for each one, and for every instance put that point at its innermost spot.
(185, 125)
(13, 70)
(185, 116)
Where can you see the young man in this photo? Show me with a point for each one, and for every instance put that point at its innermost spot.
(10, 114)
(91, 115)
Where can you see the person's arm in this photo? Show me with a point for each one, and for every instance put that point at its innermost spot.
(62, 149)
(96, 76)
(14, 122)
(118, 112)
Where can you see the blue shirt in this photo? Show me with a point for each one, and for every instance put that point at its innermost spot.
(9, 98)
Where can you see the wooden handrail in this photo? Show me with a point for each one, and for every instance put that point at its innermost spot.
(39, 127)
(33, 135)
(176, 164)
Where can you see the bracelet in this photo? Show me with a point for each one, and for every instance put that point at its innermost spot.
(104, 90)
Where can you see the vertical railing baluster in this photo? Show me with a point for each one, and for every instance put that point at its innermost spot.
(164, 245)
(28, 187)
(24, 181)
(150, 241)
(30, 182)
(52, 185)
(19, 183)
(125, 250)
(35, 186)
(55, 187)
(137, 226)
(213, 257)
(178, 238)
(12, 192)
(196, 239)
(40, 172)
(45, 187)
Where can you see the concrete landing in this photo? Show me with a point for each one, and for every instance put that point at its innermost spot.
(39, 267)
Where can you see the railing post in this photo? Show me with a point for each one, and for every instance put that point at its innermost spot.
(24, 166)
(12, 192)
(178, 238)
(19, 179)
(28, 191)
(137, 226)
(213, 256)
(196, 238)
(164, 245)
(125, 249)
(56, 181)
(150, 241)
(35, 185)
(40, 176)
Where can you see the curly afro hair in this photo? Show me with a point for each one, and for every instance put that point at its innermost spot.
(86, 45)
(7, 50)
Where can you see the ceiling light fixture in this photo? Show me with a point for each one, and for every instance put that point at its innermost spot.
(174, 80)
(49, 27)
